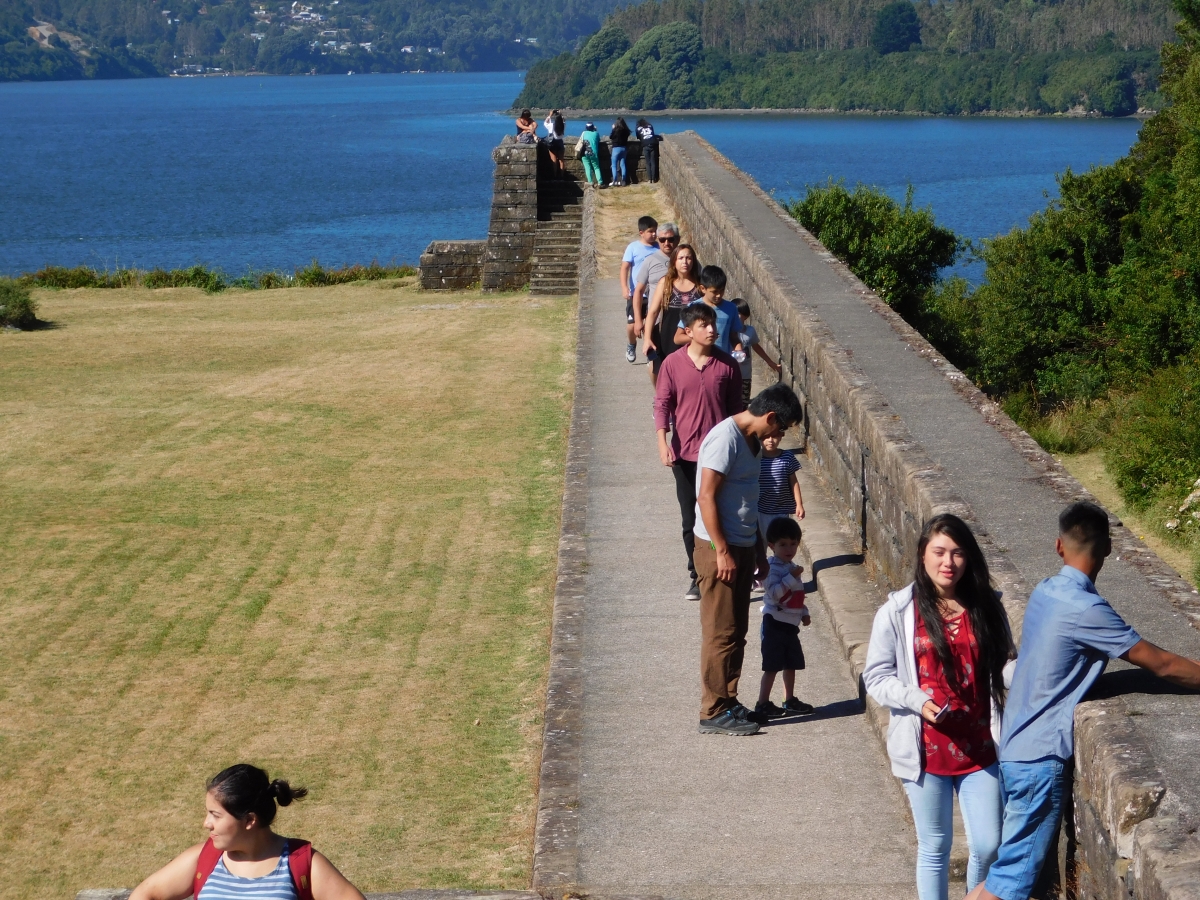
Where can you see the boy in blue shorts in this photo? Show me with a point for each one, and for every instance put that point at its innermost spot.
(1069, 635)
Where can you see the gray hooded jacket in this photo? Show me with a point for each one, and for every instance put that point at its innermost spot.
(890, 678)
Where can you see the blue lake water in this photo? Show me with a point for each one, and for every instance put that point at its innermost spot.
(269, 173)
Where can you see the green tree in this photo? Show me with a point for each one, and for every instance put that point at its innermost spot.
(896, 28)
(896, 250)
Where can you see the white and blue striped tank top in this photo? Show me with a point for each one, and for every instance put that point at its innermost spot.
(224, 885)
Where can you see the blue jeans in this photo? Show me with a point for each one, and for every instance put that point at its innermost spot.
(1033, 803)
(932, 801)
(618, 166)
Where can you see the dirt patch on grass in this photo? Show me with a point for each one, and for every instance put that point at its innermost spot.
(312, 529)
(617, 212)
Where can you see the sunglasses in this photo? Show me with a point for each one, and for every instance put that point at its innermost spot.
(668, 240)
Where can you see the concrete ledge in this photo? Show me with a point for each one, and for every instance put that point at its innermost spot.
(556, 834)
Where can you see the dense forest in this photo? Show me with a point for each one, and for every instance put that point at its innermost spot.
(962, 56)
(1087, 324)
(54, 39)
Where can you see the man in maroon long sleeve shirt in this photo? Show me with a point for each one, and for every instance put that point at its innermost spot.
(696, 389)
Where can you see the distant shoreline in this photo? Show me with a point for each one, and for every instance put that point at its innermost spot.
(990, 114)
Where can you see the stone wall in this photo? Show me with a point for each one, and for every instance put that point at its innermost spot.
(452, 265)
(1127, 837)
(886, 484)
(513, 222)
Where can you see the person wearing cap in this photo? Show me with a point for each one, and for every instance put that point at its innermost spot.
(589, 151)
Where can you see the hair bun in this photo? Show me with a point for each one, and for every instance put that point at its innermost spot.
(284, 793)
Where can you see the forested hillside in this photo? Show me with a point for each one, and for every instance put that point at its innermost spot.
(1087, 324)
(946, 57)
(48, 39)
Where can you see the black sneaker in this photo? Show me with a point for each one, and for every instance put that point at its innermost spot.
(793, 705)
(693, 591)
(769, 709)
(758, 718)
(728, 722)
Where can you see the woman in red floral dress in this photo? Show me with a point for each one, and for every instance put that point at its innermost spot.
(937, 659)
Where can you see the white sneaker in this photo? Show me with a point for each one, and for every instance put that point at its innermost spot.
(630, 353)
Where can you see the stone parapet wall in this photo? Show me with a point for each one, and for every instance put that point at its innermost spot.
(452, 265)
(886, 483)
(587, 241)
(513, 221)
(1129, 836)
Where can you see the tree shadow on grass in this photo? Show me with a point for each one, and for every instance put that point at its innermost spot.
(40, 325)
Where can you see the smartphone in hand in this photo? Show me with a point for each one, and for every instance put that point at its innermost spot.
(941, 713)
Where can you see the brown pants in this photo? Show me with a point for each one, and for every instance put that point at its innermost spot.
(724, 620)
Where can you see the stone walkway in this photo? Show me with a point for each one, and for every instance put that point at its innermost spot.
(808, 809)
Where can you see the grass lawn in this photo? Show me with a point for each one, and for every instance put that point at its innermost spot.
(313, 529)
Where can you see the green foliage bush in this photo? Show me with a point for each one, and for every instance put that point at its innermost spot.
(197, 276)
(210, 280)
(18, 309)
(1156, 456)
(897, 251)
(896, 28)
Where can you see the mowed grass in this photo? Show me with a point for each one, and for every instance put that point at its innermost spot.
(314, 530)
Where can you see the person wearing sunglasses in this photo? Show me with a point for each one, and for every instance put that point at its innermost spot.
(647, 276)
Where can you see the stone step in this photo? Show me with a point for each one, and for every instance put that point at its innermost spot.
(554, 289)
(556, 270)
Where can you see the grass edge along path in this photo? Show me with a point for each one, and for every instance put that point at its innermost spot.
(316, 532)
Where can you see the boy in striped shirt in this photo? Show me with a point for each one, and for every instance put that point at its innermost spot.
(778, 489)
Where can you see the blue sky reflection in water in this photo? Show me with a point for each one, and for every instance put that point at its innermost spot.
(268, 173)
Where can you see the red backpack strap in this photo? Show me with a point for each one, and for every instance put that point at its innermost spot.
(300, 863)
(209, 857)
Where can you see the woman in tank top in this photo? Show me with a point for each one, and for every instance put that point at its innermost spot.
(677, 289)
(243, 859)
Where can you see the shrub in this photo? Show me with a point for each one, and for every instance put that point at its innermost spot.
(895, 250)
(1155, 456)
(896, 28)
(17, 306)
(62, 277)
(313, 275)
(207, 280)
(210, 280)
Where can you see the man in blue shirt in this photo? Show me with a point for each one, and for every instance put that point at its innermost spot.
(1069, 635)
(631, 260)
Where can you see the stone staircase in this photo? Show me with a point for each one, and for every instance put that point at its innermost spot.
(555, 269)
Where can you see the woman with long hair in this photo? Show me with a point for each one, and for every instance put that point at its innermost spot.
(243, 859)
(675, 290)
(938, 660)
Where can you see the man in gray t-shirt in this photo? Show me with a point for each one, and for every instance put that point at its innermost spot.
(728, 552)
